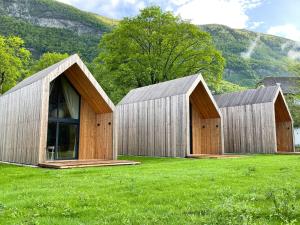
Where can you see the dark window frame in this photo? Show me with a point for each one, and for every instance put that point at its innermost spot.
(58, 121)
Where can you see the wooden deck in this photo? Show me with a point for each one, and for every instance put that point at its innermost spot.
(65, 164)
(215, 156)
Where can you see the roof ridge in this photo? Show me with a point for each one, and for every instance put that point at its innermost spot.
(247, 97)
(164, 89)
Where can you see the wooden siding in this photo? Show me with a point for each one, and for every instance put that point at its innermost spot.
(24, 115)
(20, 120)
(95, 103)
(284, 136)
(201, 99)
(284, 126)
(86, 89)
(206, 123)
(281, 110)
(153, 128)
(206, 136)
(157, 124)
(249, 129)
(95, 141)
(256, 121)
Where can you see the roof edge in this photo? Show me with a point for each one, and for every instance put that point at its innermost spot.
(121, 102)
(195, 84)
(55, 71)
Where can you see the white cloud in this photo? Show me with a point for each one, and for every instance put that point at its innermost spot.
(288, 31)
(255, 25)
(115, 9)
(232, 13)
(293, 54)
(291, 32)
(250, 50)
(228, 12)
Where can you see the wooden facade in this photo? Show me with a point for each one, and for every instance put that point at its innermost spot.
(24, 116)
(176, 118)
(256, 121)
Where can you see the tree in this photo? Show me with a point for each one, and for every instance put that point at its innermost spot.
(226, 87)
(46, 60)
(14, 59)
(152, 47)
(294, 100)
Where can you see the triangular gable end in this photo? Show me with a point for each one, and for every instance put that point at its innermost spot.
(84, 82)
(200, 89)
(282, 112)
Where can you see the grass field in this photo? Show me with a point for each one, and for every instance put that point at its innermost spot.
(247, 190)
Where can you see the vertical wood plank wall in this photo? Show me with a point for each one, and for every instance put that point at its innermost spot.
(206, 134)
(24, 116)
(206, 123)
(284, 135)
(284, 126)
(20, 119)
(249, 128)
(95, 141)
(153, 128)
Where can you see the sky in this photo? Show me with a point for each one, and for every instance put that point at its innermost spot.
(277, 17)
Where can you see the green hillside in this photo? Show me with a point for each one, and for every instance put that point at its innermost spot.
(50, 26)
(47, 25)
(251, 56)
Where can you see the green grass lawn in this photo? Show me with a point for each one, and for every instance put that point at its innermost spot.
(247, 190)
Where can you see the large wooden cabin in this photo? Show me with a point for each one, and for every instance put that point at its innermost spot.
(176, 118)
(256, 121)
(60, 113)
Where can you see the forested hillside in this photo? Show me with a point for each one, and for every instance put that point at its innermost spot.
(50, 26)
(251, 56)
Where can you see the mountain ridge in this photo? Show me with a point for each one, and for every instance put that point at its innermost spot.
(51, 26)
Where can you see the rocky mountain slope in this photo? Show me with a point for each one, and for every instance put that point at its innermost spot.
(47, 25)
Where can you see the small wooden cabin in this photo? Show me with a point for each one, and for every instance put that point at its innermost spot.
(176, 118)
(256, 121)
(60, 113)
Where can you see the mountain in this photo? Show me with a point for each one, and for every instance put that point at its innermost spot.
(250, 56)
(47, 25)
(50, 26)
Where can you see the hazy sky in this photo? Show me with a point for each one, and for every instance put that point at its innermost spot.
(278, 17)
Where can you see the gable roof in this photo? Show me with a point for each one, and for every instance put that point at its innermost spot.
(56, 70)
(161, 90)
(37, 76)
(248, 97)
(289, 85)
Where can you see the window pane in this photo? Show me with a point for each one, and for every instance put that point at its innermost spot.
(69, 101)
(53, 99)
(64, 100)
(51, 141)
(67, 141)
(63, 111)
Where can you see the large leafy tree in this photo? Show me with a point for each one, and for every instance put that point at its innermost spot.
(152, 47)
(14, 59)
(46, 60)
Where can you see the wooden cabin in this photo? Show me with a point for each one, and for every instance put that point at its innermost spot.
(59, 113)
(176, 118)
(256, 121)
